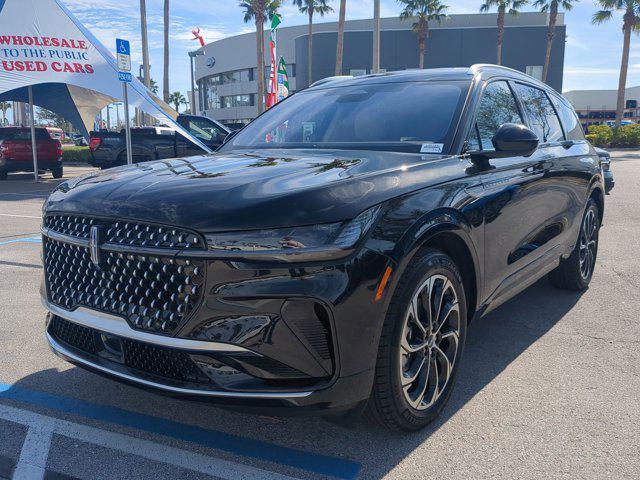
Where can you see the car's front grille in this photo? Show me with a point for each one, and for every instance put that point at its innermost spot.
(163, 362)
(125, 233)
(72, 334)
(153, 292)
(158, 361)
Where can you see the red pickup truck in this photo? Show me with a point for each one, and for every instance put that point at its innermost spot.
(16, 156)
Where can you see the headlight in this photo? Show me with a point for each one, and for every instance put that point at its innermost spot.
(313, 242)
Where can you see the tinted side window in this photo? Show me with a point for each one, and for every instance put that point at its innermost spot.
(570, 122)
(497, 106)
(542, 117)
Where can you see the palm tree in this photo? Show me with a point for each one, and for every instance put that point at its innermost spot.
(340, 45)
(259, 11)
(630, 21)
(177, 99)
(165, 79)
(310, 7)
(551, 6)
(4, 106)
(512, 7)
(424, 11)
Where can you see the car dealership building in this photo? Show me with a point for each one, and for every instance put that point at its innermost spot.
(226, 72)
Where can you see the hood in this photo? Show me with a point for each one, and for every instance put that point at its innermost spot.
(251, 189)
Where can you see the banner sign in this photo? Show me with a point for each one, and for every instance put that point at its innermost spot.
(272, 93)
(42, 44)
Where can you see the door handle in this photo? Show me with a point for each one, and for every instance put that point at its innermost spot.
(567, 144)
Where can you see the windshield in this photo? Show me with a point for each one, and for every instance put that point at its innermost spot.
(404, 116)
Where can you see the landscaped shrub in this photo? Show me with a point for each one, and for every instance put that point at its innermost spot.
(627, 136)
(600, 135)
(75, 154)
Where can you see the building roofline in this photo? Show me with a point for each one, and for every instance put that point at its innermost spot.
(449, 23)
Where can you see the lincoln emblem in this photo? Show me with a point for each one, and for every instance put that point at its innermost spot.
(94, 245)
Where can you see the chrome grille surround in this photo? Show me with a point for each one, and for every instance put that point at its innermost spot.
(125, 232)
(147, 285)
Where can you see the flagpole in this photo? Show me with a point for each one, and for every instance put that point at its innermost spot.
(34, 147)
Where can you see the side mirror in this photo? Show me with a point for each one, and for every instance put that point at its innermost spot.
(221, 137)
(511, 140)
(514, 140)
(230, 135)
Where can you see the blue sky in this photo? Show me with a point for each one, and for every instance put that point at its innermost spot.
(592, 52)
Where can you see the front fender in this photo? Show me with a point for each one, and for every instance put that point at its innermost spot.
(442, 221)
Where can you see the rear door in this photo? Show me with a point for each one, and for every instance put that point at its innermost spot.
(515, 197)
(567, 174)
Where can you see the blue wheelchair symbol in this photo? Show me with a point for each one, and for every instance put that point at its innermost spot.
(123, 47)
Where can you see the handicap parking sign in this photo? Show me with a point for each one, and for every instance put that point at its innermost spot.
(123, 55)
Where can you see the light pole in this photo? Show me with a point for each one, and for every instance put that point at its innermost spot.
(193, 55)
(376, 37)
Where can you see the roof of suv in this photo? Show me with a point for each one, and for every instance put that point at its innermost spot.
(414, 75)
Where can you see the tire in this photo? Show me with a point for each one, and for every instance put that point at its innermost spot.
(575, 272)
(57, 172)
(405, 409)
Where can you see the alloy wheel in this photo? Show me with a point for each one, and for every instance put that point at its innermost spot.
(430, 341)
(588, 244)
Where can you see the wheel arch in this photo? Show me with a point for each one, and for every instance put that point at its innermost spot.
(449, 232)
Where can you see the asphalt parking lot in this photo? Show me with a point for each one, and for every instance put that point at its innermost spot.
(549, 387)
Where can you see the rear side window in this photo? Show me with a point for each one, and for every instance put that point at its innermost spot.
(570, 122)
(25, 134)
(542, 116)
(497, 107)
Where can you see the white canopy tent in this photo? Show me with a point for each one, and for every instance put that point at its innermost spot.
(47, 56)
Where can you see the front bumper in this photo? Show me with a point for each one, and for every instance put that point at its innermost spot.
(251, 338)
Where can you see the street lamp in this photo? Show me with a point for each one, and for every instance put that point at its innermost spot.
(193, 55)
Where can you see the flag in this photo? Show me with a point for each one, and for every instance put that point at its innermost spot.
(275, 21)
(283, 80)
(272, 93)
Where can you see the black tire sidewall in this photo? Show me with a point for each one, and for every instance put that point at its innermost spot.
(431, 263)
(591, 205)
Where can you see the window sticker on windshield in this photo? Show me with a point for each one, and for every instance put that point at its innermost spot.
(308, 129)
(432, 148)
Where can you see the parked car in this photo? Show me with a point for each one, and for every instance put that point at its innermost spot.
(16, 151)
(605, 163)
(332, 253)
(108, 149)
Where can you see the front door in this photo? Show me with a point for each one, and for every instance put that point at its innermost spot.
(516, 204)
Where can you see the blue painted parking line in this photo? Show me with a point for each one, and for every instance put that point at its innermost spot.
(311, 462)
(22, 240)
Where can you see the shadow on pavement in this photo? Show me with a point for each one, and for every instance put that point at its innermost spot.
(493, 344)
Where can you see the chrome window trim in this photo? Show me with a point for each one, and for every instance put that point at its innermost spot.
(63, 352)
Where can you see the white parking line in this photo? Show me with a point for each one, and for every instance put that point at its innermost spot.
(19, 216)
(35, 450)
(124, 443)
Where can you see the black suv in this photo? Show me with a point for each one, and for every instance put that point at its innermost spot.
(332, 253)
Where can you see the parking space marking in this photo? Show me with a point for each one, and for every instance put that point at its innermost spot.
(19, 216)
(22, 240)
(237, 445)
(35, 450)
(32, 463)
